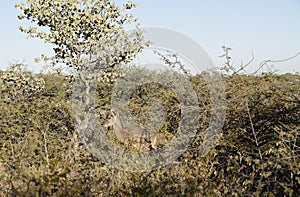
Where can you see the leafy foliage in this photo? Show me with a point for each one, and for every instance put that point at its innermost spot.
(257, 152)
(89, 29)
(17, 84)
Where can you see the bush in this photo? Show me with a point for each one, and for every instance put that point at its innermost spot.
(257, 153)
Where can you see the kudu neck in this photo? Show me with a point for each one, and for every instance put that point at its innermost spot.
(118, 122)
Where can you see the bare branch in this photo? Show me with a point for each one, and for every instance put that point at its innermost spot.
(244, 66)
(265, 62)
(253, 130)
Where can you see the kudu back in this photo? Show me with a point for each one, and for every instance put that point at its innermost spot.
(134, 133)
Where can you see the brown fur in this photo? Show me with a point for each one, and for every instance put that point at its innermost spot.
(135, 133)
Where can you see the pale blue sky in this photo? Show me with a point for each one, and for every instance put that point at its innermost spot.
(269, 28)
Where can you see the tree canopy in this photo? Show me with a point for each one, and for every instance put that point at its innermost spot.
(83, 29)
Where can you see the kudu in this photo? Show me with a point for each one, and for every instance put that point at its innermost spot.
(135, 133)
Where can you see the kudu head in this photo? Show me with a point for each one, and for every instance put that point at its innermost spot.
(114, 119)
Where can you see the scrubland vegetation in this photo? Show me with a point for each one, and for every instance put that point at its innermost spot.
(257, 153)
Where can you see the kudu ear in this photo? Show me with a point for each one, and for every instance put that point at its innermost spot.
(113, 112)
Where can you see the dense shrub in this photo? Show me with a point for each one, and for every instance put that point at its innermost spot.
(16, 84)
(257, 152)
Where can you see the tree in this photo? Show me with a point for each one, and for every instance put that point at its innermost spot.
(83, 29)
(84, 33)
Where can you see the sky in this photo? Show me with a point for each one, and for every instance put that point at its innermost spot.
(269, 29)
